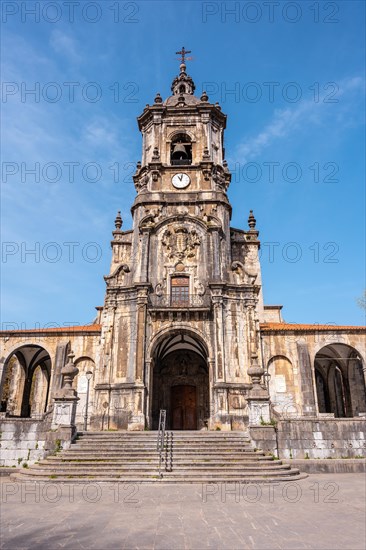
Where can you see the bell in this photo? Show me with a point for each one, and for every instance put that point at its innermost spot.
(179, 152)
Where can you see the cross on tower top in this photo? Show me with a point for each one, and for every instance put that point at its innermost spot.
(183, 54)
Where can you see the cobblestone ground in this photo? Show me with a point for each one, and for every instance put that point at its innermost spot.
(322, 511)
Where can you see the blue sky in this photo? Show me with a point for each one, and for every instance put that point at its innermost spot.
(295, 143)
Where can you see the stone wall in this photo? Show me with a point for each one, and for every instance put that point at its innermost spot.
(313, 438)
(25, 441)
(336, 466)
(264, 438)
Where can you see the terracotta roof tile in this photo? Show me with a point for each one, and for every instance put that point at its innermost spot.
(68, 330)
(266, 327)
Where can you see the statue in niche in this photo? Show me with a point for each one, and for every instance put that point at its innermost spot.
(159, 289)
(183, 367)
(200, 289)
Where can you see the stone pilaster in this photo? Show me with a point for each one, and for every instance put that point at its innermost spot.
(142, 299)
(217, 301)
(306, 380)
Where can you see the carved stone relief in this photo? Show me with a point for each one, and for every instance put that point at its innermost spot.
(180, 242)
(242, 274)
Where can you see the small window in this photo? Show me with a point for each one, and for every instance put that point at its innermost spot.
(180, 291)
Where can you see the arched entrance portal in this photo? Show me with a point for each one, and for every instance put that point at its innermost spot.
(181, 383)
(340, 383)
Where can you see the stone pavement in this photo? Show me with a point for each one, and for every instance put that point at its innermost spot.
(320, 512)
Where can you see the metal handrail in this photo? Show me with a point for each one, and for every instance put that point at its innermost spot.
(169, 452)
(161, 437)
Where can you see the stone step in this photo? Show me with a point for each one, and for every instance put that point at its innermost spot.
(183, 476)
(139, 454)
(175, 456)
(152, 441)
(90, 470)
(172, 435)
(116, 441)
(153, 452)
(176, 460)
(64, 472)
(153, 447)
(132, 457)
(164, 480)
(175, 435)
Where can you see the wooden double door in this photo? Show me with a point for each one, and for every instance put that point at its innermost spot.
(183, 407)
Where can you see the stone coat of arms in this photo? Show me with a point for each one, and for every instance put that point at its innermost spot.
(181, 242)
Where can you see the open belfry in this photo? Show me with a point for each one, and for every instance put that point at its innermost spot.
(183, 327)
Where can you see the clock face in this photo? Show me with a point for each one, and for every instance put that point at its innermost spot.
(180, 181)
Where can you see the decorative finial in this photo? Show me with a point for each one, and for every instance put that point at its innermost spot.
(255, 371)
(118, 221)
(251, 220)
(69, 371)
(158, 98)
(204, 96)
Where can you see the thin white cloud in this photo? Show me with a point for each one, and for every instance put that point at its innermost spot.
(66, 45)
(36, 131)
(306, 113)
(100, 132)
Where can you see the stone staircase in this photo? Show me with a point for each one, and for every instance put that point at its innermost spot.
(189, 457)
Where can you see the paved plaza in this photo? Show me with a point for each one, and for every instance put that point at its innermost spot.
(321, 511)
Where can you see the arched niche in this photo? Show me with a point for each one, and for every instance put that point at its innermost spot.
(25, 382)
(282, 388)
(339, 380)
(80, 384)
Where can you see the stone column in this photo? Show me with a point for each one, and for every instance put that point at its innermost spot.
(258, 398)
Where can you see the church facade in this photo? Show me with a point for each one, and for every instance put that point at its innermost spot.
(183, 326)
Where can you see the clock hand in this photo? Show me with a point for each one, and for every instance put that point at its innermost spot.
(180, 177)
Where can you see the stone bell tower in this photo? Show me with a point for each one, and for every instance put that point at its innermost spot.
(183, 299)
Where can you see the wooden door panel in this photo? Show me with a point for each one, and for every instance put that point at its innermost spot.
(184, 407)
